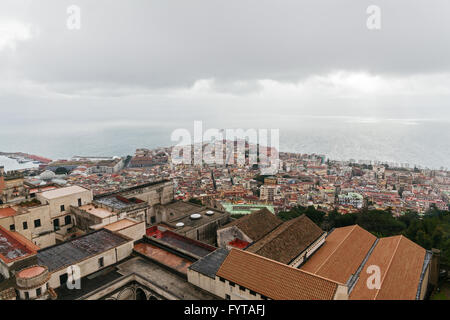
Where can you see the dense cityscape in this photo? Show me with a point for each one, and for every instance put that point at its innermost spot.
(153, 207)
(225, 159)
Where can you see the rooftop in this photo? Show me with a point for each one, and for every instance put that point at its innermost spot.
(62, 192)
(211, 263)
(117, 202)
(7, 212)
(288, 240)
(348, 252)
(96, 211)
(121, 224)
(245, 208)
(163, 256)
(345, 247)
(13, 246)
(175, 240)
(400, 261)
(273, 279)
(89, 284)
(75, 250)
(256, 225)
(189, 223)
(31, 272)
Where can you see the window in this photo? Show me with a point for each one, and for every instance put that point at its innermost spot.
(27, 295)
(101, 262)
(38, 292)
(63, 279)
(232, 284)
(263, 297)
(25, 225)
(56, 224)
(227, 297)
(62, 208)
(242, 288)
(253, 293)
(152, 220)
(67, 219)
(12, 227)
(79, 202)
(222, 279)
(37, 223)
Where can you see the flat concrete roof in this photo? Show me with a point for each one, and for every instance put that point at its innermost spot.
(163, 256)
(98, 212)
(62, 192)
(121, 224)
(190, 223)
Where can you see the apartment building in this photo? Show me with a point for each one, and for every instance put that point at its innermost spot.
(59, 202)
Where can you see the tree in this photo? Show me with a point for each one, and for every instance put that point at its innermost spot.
(62, 170)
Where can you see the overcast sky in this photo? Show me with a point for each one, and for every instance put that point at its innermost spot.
(228, 63)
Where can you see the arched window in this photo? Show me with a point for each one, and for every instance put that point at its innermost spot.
(140, 294)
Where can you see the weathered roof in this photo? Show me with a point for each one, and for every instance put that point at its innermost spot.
(7, 212)
(288, 240)
(257, 224)
(121, 224)
(14, 246)
(342, 254)
(209, 265)
(400, 261)
(273, 279)
(75, 250)
(62, 192)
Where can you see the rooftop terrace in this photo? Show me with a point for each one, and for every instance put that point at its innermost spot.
(175, 240)
(163, 256)
(96, 211)
(62, 192)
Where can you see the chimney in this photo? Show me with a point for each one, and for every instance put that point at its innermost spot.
(434, 268)
(2, 170)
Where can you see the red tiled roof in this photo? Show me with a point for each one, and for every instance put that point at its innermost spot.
(7, 212)
(400, 261)
(342, 254)
(273, 279)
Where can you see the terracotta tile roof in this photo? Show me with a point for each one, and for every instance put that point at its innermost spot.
(7, 212)
(288, 240)
(14, 246)
(342, 254)
(273, 279)
(257, 224)
(400, 261)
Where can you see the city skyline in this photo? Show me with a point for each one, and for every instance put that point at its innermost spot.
(313, 70)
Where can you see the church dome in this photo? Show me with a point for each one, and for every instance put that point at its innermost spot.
(47, 175)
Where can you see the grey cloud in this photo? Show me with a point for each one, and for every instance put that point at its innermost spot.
(173, 43)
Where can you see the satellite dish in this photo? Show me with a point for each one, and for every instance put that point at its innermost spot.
(196, 216)
(209, 212)
(179, 224)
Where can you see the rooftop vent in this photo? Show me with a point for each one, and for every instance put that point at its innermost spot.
(179, 224)
(209, 213)
(196, 216)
